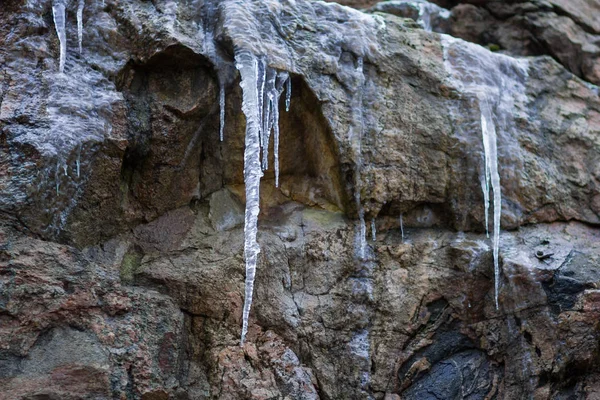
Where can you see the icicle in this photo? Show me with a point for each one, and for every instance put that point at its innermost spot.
(268, 114)
(276, 142)
(373, 230)
(485, 188)
(282, 78)
(497, 82)
(401, 228)
(58, 13)
(57, 177)
(288, 94)
(488, 131)
(247, 64)
(357, 144)
(78, 160)
(221, 110)
(80, 24)
(361, 234)
(262, 77)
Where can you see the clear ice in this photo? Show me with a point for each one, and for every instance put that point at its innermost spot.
(288, 94)
(373, 230)
(262, 87)
(247, 64)
(80, 24)
(496, 81)
(221, 110)
(401, 228)
(58, 14)
(356, 142)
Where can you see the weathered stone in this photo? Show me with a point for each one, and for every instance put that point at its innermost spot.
(127, 280)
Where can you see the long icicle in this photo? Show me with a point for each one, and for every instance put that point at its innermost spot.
(247, 64)
(275, 112)
(282, 78)
(488, 130)
(80, 24)
(221, 110)
(58, 14)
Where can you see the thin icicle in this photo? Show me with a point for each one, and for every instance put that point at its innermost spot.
(282, 78)
(247, 64)
(485, 188)
(261, 82)
(488, 130)
(80, 24)
(268, 113)
(356, 141)
(360, 243)
(58, 14)
(401, 228)
(288, 94)
(373, 230)
(497, 82)
(57, 177)
(221, 110)
(78, 160)
(276, 142)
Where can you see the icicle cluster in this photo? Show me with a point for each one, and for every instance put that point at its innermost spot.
(262, 88)
(271, 85)
(497, 82)
(59, 16)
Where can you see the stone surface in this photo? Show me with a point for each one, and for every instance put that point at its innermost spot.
(126, 280)
(567, 31)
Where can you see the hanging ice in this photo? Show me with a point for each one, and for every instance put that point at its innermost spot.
(485, 187)
(401, 228)
(356, 142)
(78, 161)
(269, 76)
(247, 64)
(496, 81)
(288, 94)
(58, 14)
(224, 74)
(282, 78)
(80, 24)
(262, 87)
(373, 230)
(221, 110)
(492, 176)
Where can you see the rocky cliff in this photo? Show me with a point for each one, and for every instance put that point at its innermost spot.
(122, 213)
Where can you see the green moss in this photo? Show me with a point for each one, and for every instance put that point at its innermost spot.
(323, 218)
(493, 47)
(130, 265)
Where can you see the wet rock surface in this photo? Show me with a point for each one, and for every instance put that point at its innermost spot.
(121, 238)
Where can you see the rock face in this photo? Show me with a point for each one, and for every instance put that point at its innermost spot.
(121, 240)
(566, 30)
